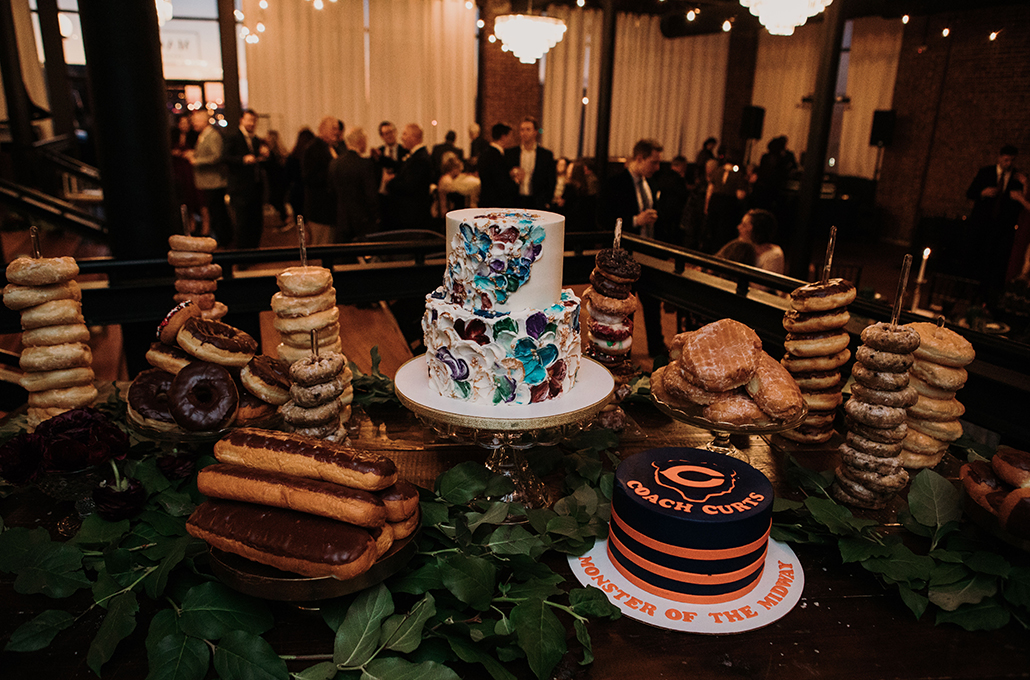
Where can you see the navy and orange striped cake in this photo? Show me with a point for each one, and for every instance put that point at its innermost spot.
(690, 525)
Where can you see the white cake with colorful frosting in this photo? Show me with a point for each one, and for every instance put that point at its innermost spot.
(500, 330)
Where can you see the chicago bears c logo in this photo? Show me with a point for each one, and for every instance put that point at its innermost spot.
(693, 482)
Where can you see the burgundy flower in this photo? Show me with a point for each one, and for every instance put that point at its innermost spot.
(20, 457)
(114, 505)
(176, 466)
(551, 387)
(474, 331)
(80, 438)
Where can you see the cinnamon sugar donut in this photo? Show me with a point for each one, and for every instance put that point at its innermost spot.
(882, 465)
(329, 334)
(879, 380)
(310, 397)
(815, 322)
(871, 447)
(874, 415)
(294, 354)
(41, 271)
(183, 258)
(315, 370)
(201, 300)
(203, 271)
(878, 434)
(860, 497)
(897, 398)
(301, 416)
(886, 338)
(195, 287)
(886, 362)
(874, 481)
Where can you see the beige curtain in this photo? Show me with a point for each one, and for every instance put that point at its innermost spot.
(785, 72)
(873, 65)
(31, 68)
(563, 83)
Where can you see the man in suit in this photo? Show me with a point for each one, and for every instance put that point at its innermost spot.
(319, 206)
(497, 188)
(439, 150)
(993, 220)
(243, 155)
(407, 191)
(532, 167)
(211, 176)
(629, 196)
(477, 144)
(390, 153)
(352, 182)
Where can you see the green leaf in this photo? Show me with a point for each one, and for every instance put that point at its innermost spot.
(503, 626)
(495, 514)
(800, 477)
(425, 578)
(498, 486)
(39, 632)
(860, 549)
(584, 639)
(163, 523)
(933, 500)
(1017, 586)
(358, 635)
(395, 668)
(244, 656)
(912, 524)
(98, 531)
(901, 566)
(470, 653)
(989, 563)
(404, 633)
(607, 485)
(17, 544)
(587, 498)
(947, 573)
(172, 655)
(463, 482)
(988, 614)
(512, 539)
(916, 602)
(563, 526)
(470, 579)
(948, 556)
(157, 580)
(175, 504)
(320, 671)
(968, 591)
(837, 518)
(538, 519)
(540, 634)
(54, 569)
(210, 610)
(118, 624)
(591, 601)
(786, 505)
(537, 587)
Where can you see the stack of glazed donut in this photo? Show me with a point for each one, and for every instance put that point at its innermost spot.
(937, 373)
(1002, 487)
(302, 505)
(723, 368)
(306, 302)
(55, 357)
(817, 349)
(320, 396)
(610, 303)
(196, 277)
(871, 469)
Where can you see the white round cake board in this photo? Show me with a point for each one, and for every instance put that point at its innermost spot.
(778, 591)
(594, 387)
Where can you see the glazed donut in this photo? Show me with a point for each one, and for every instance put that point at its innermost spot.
(302, 281)
(979, 481)
(817, 380)
(917, 461)
(738, 409)
(881, 465)
(201, 300)
(55, 357)
(875, 482)
(942, 345)
(267, 378)
(306, 324)
(873, 448)
(168, 329)
(815, 322)
(215, 313)
(1012, 465)
(918, 442)
(192, 244)
(809, 434)
(822, 400)
(942, 377)
(867, 500)
(41, 271)
(203, 397)
(21, 297)
(316, 370)
(168, 358)
(816, 344)
(815, 364)
(722, 354)
(195, 287)
(928, 390)
(612, 347)
(77, 396)
(294, 354)
(299, 416)
(610, 305)
(617, 264)
(216, 342)
(252, 410)
(286, 306)
(879, 380)
(822, 297)
(39, 381)
(936, 409)
(902, 398)
(874, 415)
(886, 435)
(946, 430)
(605, 286)
(183, 258)
(53, 313)
(885, 338)
(148, 400)
(309, 397)
(774, 390)
(55, 335)
(330, 333)
(676, 383)
(204, 271)
(885, 362)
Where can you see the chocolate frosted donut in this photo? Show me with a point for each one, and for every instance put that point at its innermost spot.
(618, 265)
(267, 378)
(203, 397)
(148, 399)
(821, 297)
(605, 286)
(217, 342)
(820, 344)
(815, 322)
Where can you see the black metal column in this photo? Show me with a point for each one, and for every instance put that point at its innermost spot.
(58, 86)
(804, 237)
(604, 89)
(230, 63)
(123, 60)
(18, 105)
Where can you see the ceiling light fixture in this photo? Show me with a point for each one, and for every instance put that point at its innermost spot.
(528, 36)
(781, 17)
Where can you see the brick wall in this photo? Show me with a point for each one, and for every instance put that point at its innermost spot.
(509, 90)
(958, 100)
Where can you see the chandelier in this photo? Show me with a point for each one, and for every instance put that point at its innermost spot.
(528, 36)
(781, 17)
(164, 11)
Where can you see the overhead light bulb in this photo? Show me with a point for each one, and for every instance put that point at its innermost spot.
(263, 4)
(581, 3)
(691, 15)
(904, 19)
(260, 27)
(726, 26)
(480, 24)
(946, 32)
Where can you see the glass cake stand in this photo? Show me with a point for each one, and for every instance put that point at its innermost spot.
(692, 415)
(507, 431)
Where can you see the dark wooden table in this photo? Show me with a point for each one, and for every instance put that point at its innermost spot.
(846, 625)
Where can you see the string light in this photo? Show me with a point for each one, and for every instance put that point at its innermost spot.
(691, 15)
(993, 36)
(319, 4)
(263, 4)
(260, 27)
(726, 26)
(946, 32)
(586, 100)
(492, 38)
(238, 14)
(904, 19)
(480, 24)
(469, 4)
(581, 3)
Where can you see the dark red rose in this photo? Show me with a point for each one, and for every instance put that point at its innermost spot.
(114, 505)
(20, 458)
(176, 466)
(80, 438)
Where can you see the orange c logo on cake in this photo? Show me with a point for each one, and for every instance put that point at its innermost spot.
(694, 482)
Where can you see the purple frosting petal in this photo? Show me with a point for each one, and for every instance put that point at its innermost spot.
(536, 324)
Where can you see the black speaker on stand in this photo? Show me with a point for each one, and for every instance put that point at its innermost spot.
(751, 122)
(882, 135)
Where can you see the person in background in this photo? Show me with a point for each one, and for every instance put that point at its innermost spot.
(274, 166)
(184, 140)
(724, 205)
(757, 229)
(579, 200)
(992, 222)
(531, 167)
(408, 190)
(498, 191)
(294, 178)
(671, 195)
(243, 156)
(319, 206)
(707, 152)
(352, 182)
(739, 251)
(693, 221)
(446, 147)
(210, 176)
(390, 154)
(477, 144)
(561, 169)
